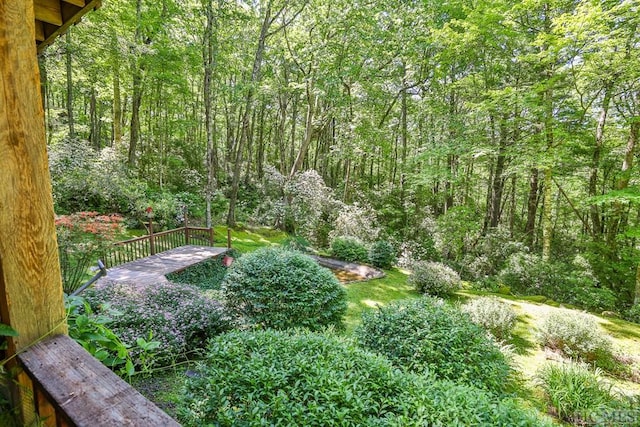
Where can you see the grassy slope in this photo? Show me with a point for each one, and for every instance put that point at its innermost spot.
(368, 295)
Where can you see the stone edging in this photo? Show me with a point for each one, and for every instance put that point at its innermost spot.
(366, 271)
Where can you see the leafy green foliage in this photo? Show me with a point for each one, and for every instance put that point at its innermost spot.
(382, 254)
(205, 275)
(427, 335)
(93, 333)
(176, 315)
(573, 283)
(302, 378)
(576, 335)
(349, 249)
(633, 314)
(575, 393)
(280, 289)
(434, 278)
(495, 316)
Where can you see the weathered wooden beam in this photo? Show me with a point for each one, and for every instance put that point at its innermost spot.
(39, 31)
(69, 19)
(79, 3)
(48, 11)
(84, 390)
(31, 299)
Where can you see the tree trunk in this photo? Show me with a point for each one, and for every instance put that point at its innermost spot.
(117, 109)
(244, 131)
(72, 131)
(627, 164)
(594, 211)
(209, 59)
(308, 130)
(532, 207)
(134, 134)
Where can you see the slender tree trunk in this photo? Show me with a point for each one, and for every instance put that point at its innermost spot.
(255, 76)
(117, 109)
(209, 58)
(497, 186)
(134, 133)
(69, 69)
(532, 207)
(308, 131)
(627, 164)
(594, 211)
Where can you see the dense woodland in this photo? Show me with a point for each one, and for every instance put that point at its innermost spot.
(470, 130)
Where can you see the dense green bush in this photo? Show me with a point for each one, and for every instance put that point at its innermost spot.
(281, 289)
(576, 335)
(349, 249)
(382, 254)
(633, 314)
(176, 315)
(427, 335)
(434, 278)
(494, 315)
(304, 379)
(528, 274)
(575, 393)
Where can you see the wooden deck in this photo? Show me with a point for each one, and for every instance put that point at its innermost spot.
(152, 269)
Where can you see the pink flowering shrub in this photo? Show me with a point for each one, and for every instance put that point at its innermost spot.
(179, 316)
(82, 239)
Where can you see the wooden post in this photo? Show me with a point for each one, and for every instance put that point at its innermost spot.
(31, 298)
(228, 238)
(152, 243)
(186, 227)
(211, 236)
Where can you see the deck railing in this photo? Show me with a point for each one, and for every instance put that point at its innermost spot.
(70, 388)
(153, 243)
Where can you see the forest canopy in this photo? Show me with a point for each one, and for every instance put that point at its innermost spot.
(467, 128)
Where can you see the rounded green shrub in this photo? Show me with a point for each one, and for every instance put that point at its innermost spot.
(276, 288)
(434, 278)
(382, 254)
(577, 335)
(349, 249)
(284, 378)
(575, 393)
(427, 335)
(633, 314)
(492, 314)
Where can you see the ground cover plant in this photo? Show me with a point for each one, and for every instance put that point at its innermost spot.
(206, 275)
(303, 378)
(429, 335)
(178, 316)
(278, 288)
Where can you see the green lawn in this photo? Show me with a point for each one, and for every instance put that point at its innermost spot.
(367, 295)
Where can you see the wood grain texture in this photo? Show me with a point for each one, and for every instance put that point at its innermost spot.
(48, 11)
(87, 391)
(32, 296)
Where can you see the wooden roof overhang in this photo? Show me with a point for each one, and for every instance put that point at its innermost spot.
(54, 17)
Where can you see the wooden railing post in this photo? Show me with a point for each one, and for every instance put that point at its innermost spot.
(152, 244)
(211, 236)
(186, 227)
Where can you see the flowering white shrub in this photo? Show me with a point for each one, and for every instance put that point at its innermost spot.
(434, 278)
(355, 221)
(494, 315)
(577, 335)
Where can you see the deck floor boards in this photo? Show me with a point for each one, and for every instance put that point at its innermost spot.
(152, 269)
